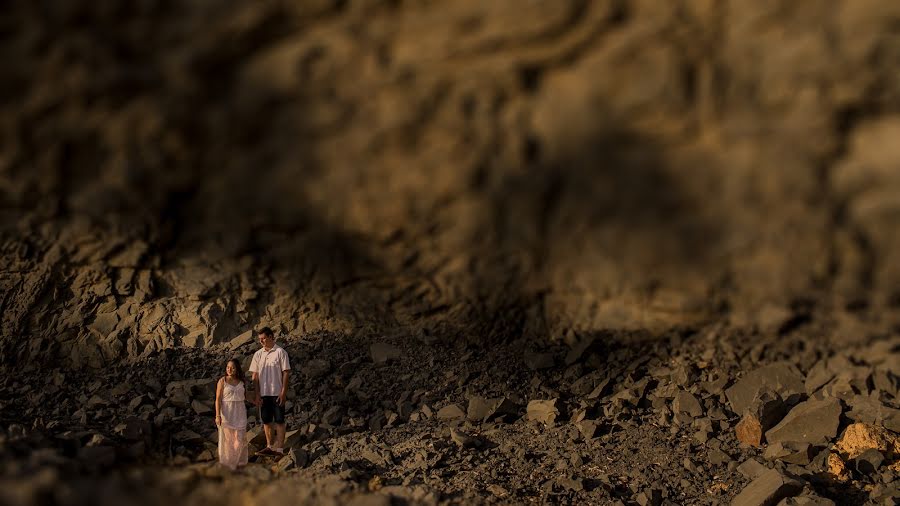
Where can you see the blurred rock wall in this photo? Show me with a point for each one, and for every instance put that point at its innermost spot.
(174, 173)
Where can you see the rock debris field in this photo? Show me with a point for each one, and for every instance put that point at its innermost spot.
(578, 252)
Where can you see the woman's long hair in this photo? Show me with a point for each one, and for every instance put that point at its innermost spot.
(238, 372)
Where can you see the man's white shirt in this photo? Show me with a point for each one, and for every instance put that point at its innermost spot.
(269, 365)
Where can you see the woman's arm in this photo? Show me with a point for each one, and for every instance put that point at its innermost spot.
(219, 387)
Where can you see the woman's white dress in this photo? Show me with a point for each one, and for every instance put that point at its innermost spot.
(233, 430)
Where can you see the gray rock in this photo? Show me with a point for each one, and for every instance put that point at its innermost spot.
(188, 436)
(463, 439)
(868, 409)
(767, 489)
(299, 456)
(451, 412)
(316, 368)
(886, 381)
(818, 377)
(869, 461)
(480, 408)
(237, 342)
(285, 463)
(293, 438)
(578, 348)
(384, 352)
(134, 429)
(752, 468)
(790, 452)
(588, 428)
(537, 361)
(809, 422)
(766, 410)
(781, 377)
(717, 457)
(686, 403)
(201, 408)
(806, 500)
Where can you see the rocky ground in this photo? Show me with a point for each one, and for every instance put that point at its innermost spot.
(519, 251)
(691, 417)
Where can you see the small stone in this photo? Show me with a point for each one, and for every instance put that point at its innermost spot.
(766, 410)
(96, 401)
(316, 368)
(749, 431)
(686, 403)
(497, 490)
(809, 422)
(752, 468)
(479, 408)
(887, 382)
(134, 429)
(806, 500)
(538, 361)
(300, 457)
(285, 463)
(651, 497)
(781, 377)
(482, 410)
(790, 452)
(588, 428)
(451, 412)
(837, 468)
(237, 342)
(766, 489)
(869, 461)
(689, 465)
(868, 409)
(256, 436)
(578, 348)
(543, 411)
(463, 439)
(293, 438)
(200, 408)
(717, 457)
(818, 377)
(188, 436)
(205, 456)
(384, 352)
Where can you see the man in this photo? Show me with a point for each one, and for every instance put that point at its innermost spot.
(270, 368)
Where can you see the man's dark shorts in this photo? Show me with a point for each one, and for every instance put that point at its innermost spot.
(270, 411)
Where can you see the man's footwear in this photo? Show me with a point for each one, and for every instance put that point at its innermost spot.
(266, 452)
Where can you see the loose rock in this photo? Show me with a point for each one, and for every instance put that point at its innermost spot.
(809, 422)
(768, 488)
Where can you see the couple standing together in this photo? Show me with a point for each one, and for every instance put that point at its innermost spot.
(270, 369)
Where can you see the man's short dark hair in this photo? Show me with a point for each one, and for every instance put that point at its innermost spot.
(266, 331)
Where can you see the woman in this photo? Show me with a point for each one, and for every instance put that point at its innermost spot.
(231, 417)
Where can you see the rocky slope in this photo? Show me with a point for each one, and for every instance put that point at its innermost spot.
(485, 185)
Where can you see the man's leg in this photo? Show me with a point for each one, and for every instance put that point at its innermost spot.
(279, 436)
(269, 429)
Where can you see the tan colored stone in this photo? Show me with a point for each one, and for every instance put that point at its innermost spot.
(749, 431)
(837, 468)
(860, 437)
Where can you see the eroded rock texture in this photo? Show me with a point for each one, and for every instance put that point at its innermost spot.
(175, 173)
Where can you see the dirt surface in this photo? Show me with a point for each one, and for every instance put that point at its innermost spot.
(666, 219)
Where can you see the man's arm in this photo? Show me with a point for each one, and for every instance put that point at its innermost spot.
(284, 385)
(285, 374)
(255, 381)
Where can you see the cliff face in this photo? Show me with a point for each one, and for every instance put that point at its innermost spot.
(172, 174)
